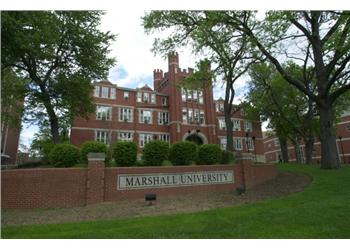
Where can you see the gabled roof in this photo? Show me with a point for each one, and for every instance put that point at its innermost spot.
(104, 82)
(146, 88)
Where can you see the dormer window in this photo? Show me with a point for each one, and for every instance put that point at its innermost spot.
(113, 93)
(126, 95)
(97, 91)
(105, 92)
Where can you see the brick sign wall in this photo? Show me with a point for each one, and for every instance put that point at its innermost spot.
(70, 187)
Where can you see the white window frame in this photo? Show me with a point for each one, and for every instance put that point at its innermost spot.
(164, 101)
(236, 125)
(139, 97)
(144, 139)
(223, 143)
(236, 145)
(142, 116)
(183, 94)
(113, 93)
(103, 92)
(125, 114)
(277, 143)
(190, 115)
(348, 127)
(126, 95)
(97, 91)
(201, 117)
(153, 98)
(99, 114)
(200, 96)
(248, 126)
(184, 115)
(222, 124)
(146, 97)
(250, 143)
(164, 137)
(163, 118)
(125, 136)
(105, 138)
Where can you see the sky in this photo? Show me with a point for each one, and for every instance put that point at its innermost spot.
(135, 60)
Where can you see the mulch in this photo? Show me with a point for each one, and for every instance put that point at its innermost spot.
(284, 184)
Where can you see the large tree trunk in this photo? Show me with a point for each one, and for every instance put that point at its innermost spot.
(284, 149)
(329, 152)
(297, 151)
(229, 133)
(53, 121)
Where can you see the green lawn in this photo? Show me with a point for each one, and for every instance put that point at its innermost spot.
(321, 211)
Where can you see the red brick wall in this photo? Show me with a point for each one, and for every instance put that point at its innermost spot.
(70, 187)
(43, 188)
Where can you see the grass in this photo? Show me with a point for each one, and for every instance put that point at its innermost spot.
(322, 210)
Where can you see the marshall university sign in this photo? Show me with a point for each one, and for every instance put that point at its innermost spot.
(163, 180)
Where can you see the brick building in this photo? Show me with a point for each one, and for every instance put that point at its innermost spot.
(167, 112)
(9, 144)
(273, 150)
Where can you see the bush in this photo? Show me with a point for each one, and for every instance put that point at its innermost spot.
(209, 154)
(226, 157)
(64, 155)
(124, 153)
(94, 147)
(155, 152)
(183, 153)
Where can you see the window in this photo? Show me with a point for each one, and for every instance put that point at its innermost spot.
(189, 95)
(103, 112)
(164, 137)
(125, 114)
(219, 107)
(184, 115)
(195, 96)
(237, 143)
(164, 101)
(102, 136)
(190, 116)
(201, 117)
(183, 94)
(223, 143)
(146, 98)
(236, 125)
(348, 127)
(248, 126)
(126, 95)
(105, 92)
(113, 93)
(125, 136)
(196, 115)
(222, 124)
(200, 96)
(146, 116)
(153, 98)
(97, 91)
(144, 139)
(250, 144)
(163, 117)
(139, 97)
(277, 143)
(243, 112)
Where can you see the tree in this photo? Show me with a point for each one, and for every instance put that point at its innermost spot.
(327, 35)
(61, 53)
(225, 47)
(289, 112)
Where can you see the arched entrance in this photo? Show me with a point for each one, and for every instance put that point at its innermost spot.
(195, 138)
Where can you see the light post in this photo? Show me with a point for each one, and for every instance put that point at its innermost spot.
(342, 149)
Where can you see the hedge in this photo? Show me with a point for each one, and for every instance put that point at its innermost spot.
(94, 147)
(64, 155)
(183, 153)
(209, 154)
(155, 152)
(226, 157)
(124, 153)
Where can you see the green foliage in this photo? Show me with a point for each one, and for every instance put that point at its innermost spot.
(209, 154)
(155, 152)
(183, 153)
(124, 153)
(64, 155)
(94, 147)
(61, 53)
(41, 148)
(226, 157)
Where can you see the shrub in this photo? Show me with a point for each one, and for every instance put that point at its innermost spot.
(94, 147)
(155, 152)
(64, 155)
(209, 154)
(124, 153)
(226, 157)
(183, 153)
